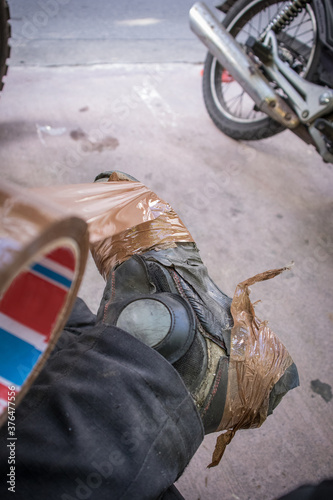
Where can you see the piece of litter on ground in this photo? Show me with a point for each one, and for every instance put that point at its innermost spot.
(48, 130)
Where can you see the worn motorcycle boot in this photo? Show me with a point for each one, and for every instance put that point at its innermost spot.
(167, 300)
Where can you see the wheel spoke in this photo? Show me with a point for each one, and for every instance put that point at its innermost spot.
(235, 98)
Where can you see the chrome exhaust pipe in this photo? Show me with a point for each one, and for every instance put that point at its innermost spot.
(233, 58)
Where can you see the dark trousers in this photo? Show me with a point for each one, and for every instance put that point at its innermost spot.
(107, 418)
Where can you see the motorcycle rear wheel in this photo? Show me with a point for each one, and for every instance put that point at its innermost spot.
(228, 105)
(4, 39)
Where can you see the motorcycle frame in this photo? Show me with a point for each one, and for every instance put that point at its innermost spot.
(308, 101)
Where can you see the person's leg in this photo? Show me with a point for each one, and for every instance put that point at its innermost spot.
(112, 405)
(101, 421)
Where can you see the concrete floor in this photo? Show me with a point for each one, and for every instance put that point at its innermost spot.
(249, 206)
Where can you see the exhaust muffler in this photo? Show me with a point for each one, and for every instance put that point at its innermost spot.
(233, 58)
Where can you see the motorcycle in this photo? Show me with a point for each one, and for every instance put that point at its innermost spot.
(4, 39)
(269, 67)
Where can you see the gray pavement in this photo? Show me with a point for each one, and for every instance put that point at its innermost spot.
(250, 207)
(81, 32)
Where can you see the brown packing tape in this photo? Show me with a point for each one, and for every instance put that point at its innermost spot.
(258, 359)
(124, 218)
(43, 254)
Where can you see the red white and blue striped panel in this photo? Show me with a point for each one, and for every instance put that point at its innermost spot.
(28, 314)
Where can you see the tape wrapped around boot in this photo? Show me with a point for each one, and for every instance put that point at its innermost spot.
(125, 218)
(43, 253)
